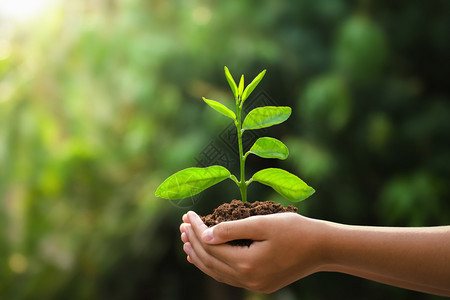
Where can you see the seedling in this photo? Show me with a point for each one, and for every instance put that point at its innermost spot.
(191, 181)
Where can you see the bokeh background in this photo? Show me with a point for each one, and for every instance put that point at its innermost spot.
(100, 101)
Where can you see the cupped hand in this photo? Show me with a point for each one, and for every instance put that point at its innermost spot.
(285, 248)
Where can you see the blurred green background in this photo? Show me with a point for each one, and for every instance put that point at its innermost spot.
(101, 100)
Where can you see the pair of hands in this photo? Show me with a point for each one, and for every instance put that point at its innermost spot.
(288, 246)
(285, 248)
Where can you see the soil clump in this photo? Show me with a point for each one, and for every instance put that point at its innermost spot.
(236, 210)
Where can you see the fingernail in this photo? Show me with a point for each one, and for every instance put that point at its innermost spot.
(187, 248)
(190, 214)
(207, 235)
(184, 238)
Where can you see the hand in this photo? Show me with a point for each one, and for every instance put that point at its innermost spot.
(288, 247)
(285, 248)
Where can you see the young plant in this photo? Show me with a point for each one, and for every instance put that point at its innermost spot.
(191, 181)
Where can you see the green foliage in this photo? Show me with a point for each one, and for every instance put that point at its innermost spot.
(361, 49)
(268, 147)
(231, 82)
(286, 184)
(249, 89)
(263, 117)
(192, 181)
(241, 89)
(91, 99)
(328, 99)
(221, 108)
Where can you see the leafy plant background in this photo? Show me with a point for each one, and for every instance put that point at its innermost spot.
(101, 100)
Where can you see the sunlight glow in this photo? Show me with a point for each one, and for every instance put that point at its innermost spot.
(21, 10)
(201, 15)
(18, 263)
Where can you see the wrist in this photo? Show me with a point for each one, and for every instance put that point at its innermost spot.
(314, 236)
(326, 236)
(337, 247)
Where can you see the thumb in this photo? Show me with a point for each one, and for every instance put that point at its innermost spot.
(250, 228)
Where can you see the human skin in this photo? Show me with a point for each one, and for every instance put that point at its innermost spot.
(289, 246)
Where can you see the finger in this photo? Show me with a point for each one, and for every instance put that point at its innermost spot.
(196, 223)
(184, 238)
(231, 256)
(199, 256)
(203, 253)
(183, 227)
(226, 254)
(185, 218)
(250, 228)
(195, 260)
(194, 232)
(208, 264)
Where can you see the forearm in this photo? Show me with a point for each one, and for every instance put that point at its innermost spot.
(413, 258)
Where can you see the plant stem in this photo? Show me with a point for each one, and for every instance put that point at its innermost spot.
(242, 184)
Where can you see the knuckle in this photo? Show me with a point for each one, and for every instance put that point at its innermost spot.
(219, 278)
(222, 231)
(256, 286)
(245, 268)
(208, 262)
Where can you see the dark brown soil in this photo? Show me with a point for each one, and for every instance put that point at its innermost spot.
(237, 210)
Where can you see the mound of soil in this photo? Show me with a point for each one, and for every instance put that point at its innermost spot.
(237, 210)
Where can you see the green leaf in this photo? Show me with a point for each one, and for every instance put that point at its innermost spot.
(231, 82)
(286, 184)
(268, 147)
(266, 116)
(249, 89)
(241, 86)
(191, 181)
(221, 108)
